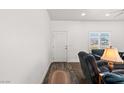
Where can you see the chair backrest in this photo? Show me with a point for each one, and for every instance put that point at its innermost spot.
(89, 67)
(97, 51)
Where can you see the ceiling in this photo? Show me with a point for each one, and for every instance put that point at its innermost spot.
(90, 14)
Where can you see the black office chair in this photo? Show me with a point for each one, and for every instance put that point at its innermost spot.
(89, 67)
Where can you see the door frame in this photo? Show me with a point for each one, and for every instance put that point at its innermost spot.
(53, 44)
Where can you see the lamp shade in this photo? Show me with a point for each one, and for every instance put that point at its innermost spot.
(111, 54)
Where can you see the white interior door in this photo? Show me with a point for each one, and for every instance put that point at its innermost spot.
(60, 46)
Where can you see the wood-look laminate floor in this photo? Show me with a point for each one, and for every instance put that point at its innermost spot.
(73, 69)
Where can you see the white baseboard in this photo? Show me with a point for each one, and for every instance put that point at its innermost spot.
(45, 72)
(73, 60)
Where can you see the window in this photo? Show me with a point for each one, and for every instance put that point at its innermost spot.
(99, 40)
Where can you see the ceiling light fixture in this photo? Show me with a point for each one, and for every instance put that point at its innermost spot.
(83, 14)
(107, 14)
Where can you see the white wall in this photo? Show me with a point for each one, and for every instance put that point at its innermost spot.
(78, 34)
(24, 45)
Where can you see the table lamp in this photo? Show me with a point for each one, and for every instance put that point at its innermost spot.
(111, 55)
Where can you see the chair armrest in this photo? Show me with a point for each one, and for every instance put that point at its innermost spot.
(101, 63)
(97, 57)
(112, 78)
(102, 66)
